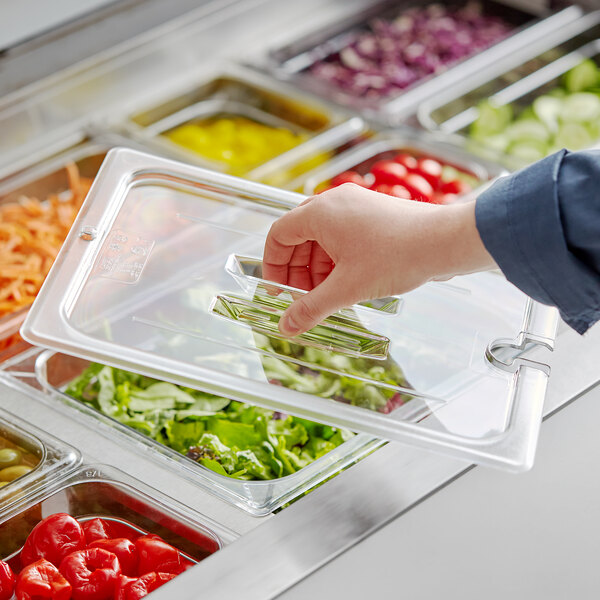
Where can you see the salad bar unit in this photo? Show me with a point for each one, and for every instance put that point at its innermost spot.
(149, 405)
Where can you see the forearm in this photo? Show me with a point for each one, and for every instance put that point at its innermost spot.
(458, 248)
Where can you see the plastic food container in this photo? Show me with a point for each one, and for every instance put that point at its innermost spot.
(54, 370)
(239, 121)
(386, 146)
(519, 87)
(178, 296)
(43, 180)
(357, 45)
(47, 457)
(101, 491)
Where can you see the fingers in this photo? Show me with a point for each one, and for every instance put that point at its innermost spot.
(310, 309)
(320, 265)
(285, 234)
(298, 274)
(293, 256)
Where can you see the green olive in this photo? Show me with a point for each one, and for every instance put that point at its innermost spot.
(3, 483)
(11, 473)
(10, 457)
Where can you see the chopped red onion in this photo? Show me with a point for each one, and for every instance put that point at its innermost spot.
(394, 54)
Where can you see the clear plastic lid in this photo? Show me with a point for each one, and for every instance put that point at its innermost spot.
(161, 275)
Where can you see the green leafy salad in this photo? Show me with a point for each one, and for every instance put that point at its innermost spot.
(228, 437)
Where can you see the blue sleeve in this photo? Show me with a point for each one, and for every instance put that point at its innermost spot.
(542, 227)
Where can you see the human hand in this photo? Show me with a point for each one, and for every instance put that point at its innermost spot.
(350, 244)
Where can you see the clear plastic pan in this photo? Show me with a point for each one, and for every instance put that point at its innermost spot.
(244, 123)
(98, 491)
(30, 459)
(54, 371)
(385, 146)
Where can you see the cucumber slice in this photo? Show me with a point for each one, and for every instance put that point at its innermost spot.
(528, 151)
(557, 92)
(449, 173)
(547, 109)
(527, 113)
(593, 129)
(585, 75)
(573, 136)
(580, 107)
(526, 130)
(478, 148)
(498, 142)
(492, 118)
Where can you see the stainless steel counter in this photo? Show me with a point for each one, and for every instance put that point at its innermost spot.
(490, 535)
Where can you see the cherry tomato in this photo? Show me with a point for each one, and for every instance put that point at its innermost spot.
(388, 171)
(42, 579)
(429, 169)
(347, 177)
(399, 191)
(7, 581)
(418, 186)
(406, 160)
(129, 588)
(455, 186)
(92, 573)
(52, 539)
(156, 555)
(124, 549)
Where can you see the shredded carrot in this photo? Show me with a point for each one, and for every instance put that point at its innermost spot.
(31, 234)
(5, 343)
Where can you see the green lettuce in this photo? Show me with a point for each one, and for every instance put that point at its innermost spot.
(228, 437)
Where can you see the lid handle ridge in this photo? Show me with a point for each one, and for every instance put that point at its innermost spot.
(335, 334)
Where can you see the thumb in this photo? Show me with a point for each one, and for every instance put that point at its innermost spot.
(311, 308)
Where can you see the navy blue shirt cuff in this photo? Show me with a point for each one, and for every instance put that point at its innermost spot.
(531, 221)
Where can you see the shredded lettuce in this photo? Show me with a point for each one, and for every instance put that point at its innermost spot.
(228, 437)
(352, 380)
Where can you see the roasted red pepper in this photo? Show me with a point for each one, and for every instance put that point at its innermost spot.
(42, 579)
(7, 581)
(122, 586)
(93, 573)
(134, 588)
(96, 529)
(125, 550)
(156, 555)
(52, 539)
(103, 529)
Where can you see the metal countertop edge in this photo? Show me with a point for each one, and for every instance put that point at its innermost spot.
(305, 536)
